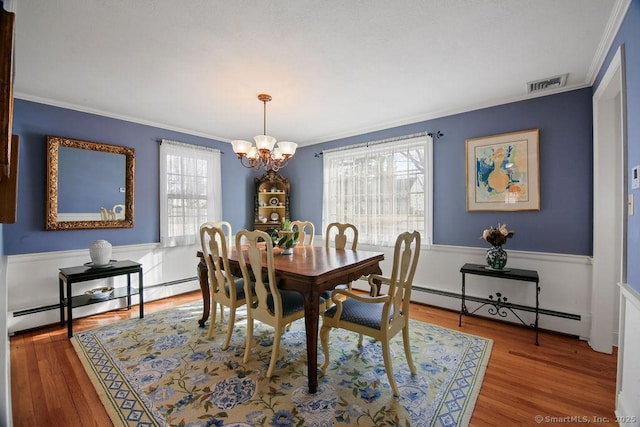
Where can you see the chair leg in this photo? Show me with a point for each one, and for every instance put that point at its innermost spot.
(247, 347)
(214, 306)
(387, 365)
(232, 321)
(324, 339)
(274, 352)
(407, 349)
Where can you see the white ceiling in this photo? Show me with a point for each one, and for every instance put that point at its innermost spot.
(335, 68)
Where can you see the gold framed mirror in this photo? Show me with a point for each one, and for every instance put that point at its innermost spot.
(89, 185)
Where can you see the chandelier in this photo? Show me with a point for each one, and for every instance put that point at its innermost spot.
(263, 154)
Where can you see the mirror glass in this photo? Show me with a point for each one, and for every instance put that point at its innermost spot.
(90, 184)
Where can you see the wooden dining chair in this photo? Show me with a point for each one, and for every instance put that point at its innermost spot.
(272, 306)
(224, 288)
(339, 235)
(380, 317)
(343, 233)
(306, 232)
(118, 211)
(228, 233)
(104, 214)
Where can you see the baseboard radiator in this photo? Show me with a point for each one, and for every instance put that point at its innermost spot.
(57, 306)
(513, 306)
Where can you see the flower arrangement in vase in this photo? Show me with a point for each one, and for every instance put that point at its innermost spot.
(496, 237)
(285, 237)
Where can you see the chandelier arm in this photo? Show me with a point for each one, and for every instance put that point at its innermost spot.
(248, 166)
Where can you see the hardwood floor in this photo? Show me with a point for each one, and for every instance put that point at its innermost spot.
(561, 382)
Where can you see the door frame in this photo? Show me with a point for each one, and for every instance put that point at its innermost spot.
(609, 204)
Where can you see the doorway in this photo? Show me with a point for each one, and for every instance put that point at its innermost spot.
(609, 205)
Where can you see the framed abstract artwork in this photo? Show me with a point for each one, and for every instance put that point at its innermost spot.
(503, 172)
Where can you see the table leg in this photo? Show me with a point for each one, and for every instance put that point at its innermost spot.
(140, 289)
(537, 310)
(61, 286)
(463, 306)
(69, 315)
(311, 313)
(129, 291)
(203, 278)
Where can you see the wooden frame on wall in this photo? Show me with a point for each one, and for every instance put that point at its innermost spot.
(7, 20)
(503, 172)
(52, 221)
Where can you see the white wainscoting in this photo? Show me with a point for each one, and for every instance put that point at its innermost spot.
(628, 381)
(565, 281)
(32, 280)
(5, 356)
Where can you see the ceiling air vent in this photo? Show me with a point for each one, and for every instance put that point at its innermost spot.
(548, 83)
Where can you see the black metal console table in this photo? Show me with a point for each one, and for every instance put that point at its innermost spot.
(499, 304)
(83, 273)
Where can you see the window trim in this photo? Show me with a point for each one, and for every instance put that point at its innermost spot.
(427, 240)
(214, 188)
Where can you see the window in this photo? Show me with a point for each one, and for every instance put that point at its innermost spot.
(190, 191)
(383, 188)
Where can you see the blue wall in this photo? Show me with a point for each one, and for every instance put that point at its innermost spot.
(565, 221)
(33, 121)
(629, 37)
(563, 225)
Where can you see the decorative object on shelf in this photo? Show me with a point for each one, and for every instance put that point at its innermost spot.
(496, 258)
(267, 200)
(275, 216)
(496, 237)
(100, 253)
(100, 293)
(285, 238)
(263, 154)
(94, 266)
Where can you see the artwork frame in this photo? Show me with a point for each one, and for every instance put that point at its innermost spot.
(515, 186)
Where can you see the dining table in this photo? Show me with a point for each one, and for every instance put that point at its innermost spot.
(310, 270)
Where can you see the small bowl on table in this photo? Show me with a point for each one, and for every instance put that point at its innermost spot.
(99, 294)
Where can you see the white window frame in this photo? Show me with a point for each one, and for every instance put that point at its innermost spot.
(191, 156)
(331, 158)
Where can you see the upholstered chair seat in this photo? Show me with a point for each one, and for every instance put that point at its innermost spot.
(378, 316)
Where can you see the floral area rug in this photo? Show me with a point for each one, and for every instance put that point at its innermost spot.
(163, 371)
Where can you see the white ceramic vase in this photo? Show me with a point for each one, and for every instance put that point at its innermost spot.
(100, 252)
